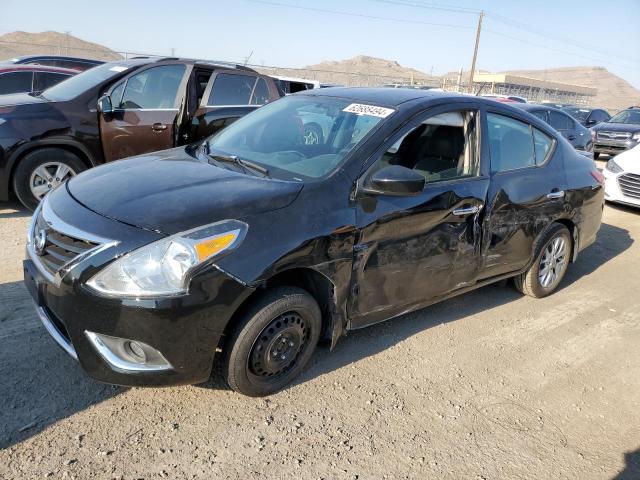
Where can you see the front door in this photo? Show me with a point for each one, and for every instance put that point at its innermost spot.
(412, 250)
(145, 111)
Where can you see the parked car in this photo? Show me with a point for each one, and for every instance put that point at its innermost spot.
(117, 110)
(622, 178)
(587, 116)
(290, 85)
(618, 134)
(570, 128)
(257, 244)
(505, 98)
(31, 78)
(73, 63)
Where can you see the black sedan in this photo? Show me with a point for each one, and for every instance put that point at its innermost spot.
(251, 247)
(578, 135)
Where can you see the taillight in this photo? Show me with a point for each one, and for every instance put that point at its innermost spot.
(598, 176)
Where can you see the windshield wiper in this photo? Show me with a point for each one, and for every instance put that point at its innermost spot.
(245, 164)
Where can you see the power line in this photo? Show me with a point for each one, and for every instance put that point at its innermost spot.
(360, 15)
(430, 6)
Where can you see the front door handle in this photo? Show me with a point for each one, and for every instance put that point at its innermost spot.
(461, 212)
(158, 127)
(555, 194)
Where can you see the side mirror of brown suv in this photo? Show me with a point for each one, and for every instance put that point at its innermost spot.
(104, 105)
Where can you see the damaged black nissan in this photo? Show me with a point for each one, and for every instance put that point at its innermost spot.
(251, 247)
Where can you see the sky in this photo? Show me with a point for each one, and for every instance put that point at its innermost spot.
(435, 37)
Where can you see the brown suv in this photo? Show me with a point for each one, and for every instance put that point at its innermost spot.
(117, 110)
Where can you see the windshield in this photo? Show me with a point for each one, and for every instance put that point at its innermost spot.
(579, 114)
(80, 83)
(627, 116)
(299, 136)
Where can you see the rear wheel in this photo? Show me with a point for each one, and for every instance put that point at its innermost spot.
(550, 265)
(272, 342)
(42, 170)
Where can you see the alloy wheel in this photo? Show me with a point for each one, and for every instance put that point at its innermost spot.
(553, 262)
(48, 176)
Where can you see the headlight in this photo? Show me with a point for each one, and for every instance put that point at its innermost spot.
(636, 136)
(164, 267)
(613, 167)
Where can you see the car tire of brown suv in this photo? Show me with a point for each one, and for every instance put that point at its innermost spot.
(44, 157)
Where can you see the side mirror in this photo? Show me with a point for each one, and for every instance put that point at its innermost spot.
(395, 180)
(104, 105)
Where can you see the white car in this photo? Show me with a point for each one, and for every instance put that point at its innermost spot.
(622, 178)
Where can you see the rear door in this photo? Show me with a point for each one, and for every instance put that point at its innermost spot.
(566, 126)
(414, 249)
(527, 191)
(230, 94)
(146, 106)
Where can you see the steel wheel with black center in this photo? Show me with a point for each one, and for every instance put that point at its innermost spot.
(551, 263)
(272, 342)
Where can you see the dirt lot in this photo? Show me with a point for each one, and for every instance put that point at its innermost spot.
(490, 385)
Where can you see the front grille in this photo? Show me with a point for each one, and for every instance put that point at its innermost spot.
(59, 248)
(630, 185)
(614, 135)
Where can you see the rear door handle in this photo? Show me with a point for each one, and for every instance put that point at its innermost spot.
(556, 194)
(158, 127)
(461, 212)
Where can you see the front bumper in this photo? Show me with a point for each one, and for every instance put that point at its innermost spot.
(612, 146)
(613, 192)
(186, 330)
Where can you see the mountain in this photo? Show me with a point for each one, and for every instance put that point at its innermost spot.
(614, 93)
(16, 44)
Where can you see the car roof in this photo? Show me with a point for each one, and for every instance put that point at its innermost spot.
(60, 57)
(32, 68)
(535, 106)
(392, 97)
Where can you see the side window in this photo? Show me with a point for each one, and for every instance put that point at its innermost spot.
(116, 95)
(600, 116)
(560, 121)
(261, 93)
(543, 144)
(541, 114)
(153, 88)
(511, 143)
(442, 147)
(45, 80)
(15, 82)
(230, 89)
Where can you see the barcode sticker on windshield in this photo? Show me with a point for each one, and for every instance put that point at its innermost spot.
(118, 68)
(371, 110)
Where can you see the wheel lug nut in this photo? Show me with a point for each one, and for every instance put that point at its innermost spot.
(282, 357)
(291, 344)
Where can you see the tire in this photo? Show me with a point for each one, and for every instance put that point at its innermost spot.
(596, 155)
(313, 134)
(533, 281)
(30, 172)
(273, 341)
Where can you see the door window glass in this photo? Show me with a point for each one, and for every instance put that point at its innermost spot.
(116, 95)
(153, 88)
(543, 144)
(443, 147)
(510, 142)
(15, 82)
(541, 114)
(229, 89)
(560, 121)
(45, 80)
(261, 93)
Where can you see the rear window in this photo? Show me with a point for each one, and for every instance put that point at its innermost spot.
(230, 89)
(511, 143)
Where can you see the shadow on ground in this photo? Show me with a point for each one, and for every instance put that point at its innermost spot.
(631, 469)
(39, 383)
(13, 210)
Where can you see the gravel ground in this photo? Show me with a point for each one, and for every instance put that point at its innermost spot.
(489, 385)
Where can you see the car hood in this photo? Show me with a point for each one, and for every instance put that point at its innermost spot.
(172, 191)
(629, 161)
(617, 127)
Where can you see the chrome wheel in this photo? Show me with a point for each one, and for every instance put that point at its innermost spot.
(47, 176)
(552, 263)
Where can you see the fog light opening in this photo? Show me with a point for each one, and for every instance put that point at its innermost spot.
(135, 350)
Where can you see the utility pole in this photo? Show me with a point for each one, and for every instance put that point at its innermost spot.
(475, 53)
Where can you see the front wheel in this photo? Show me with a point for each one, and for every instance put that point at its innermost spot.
(40, 171)
(273, 341)
(550, 265)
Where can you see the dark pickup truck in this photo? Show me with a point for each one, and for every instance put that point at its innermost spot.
(117, 110)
